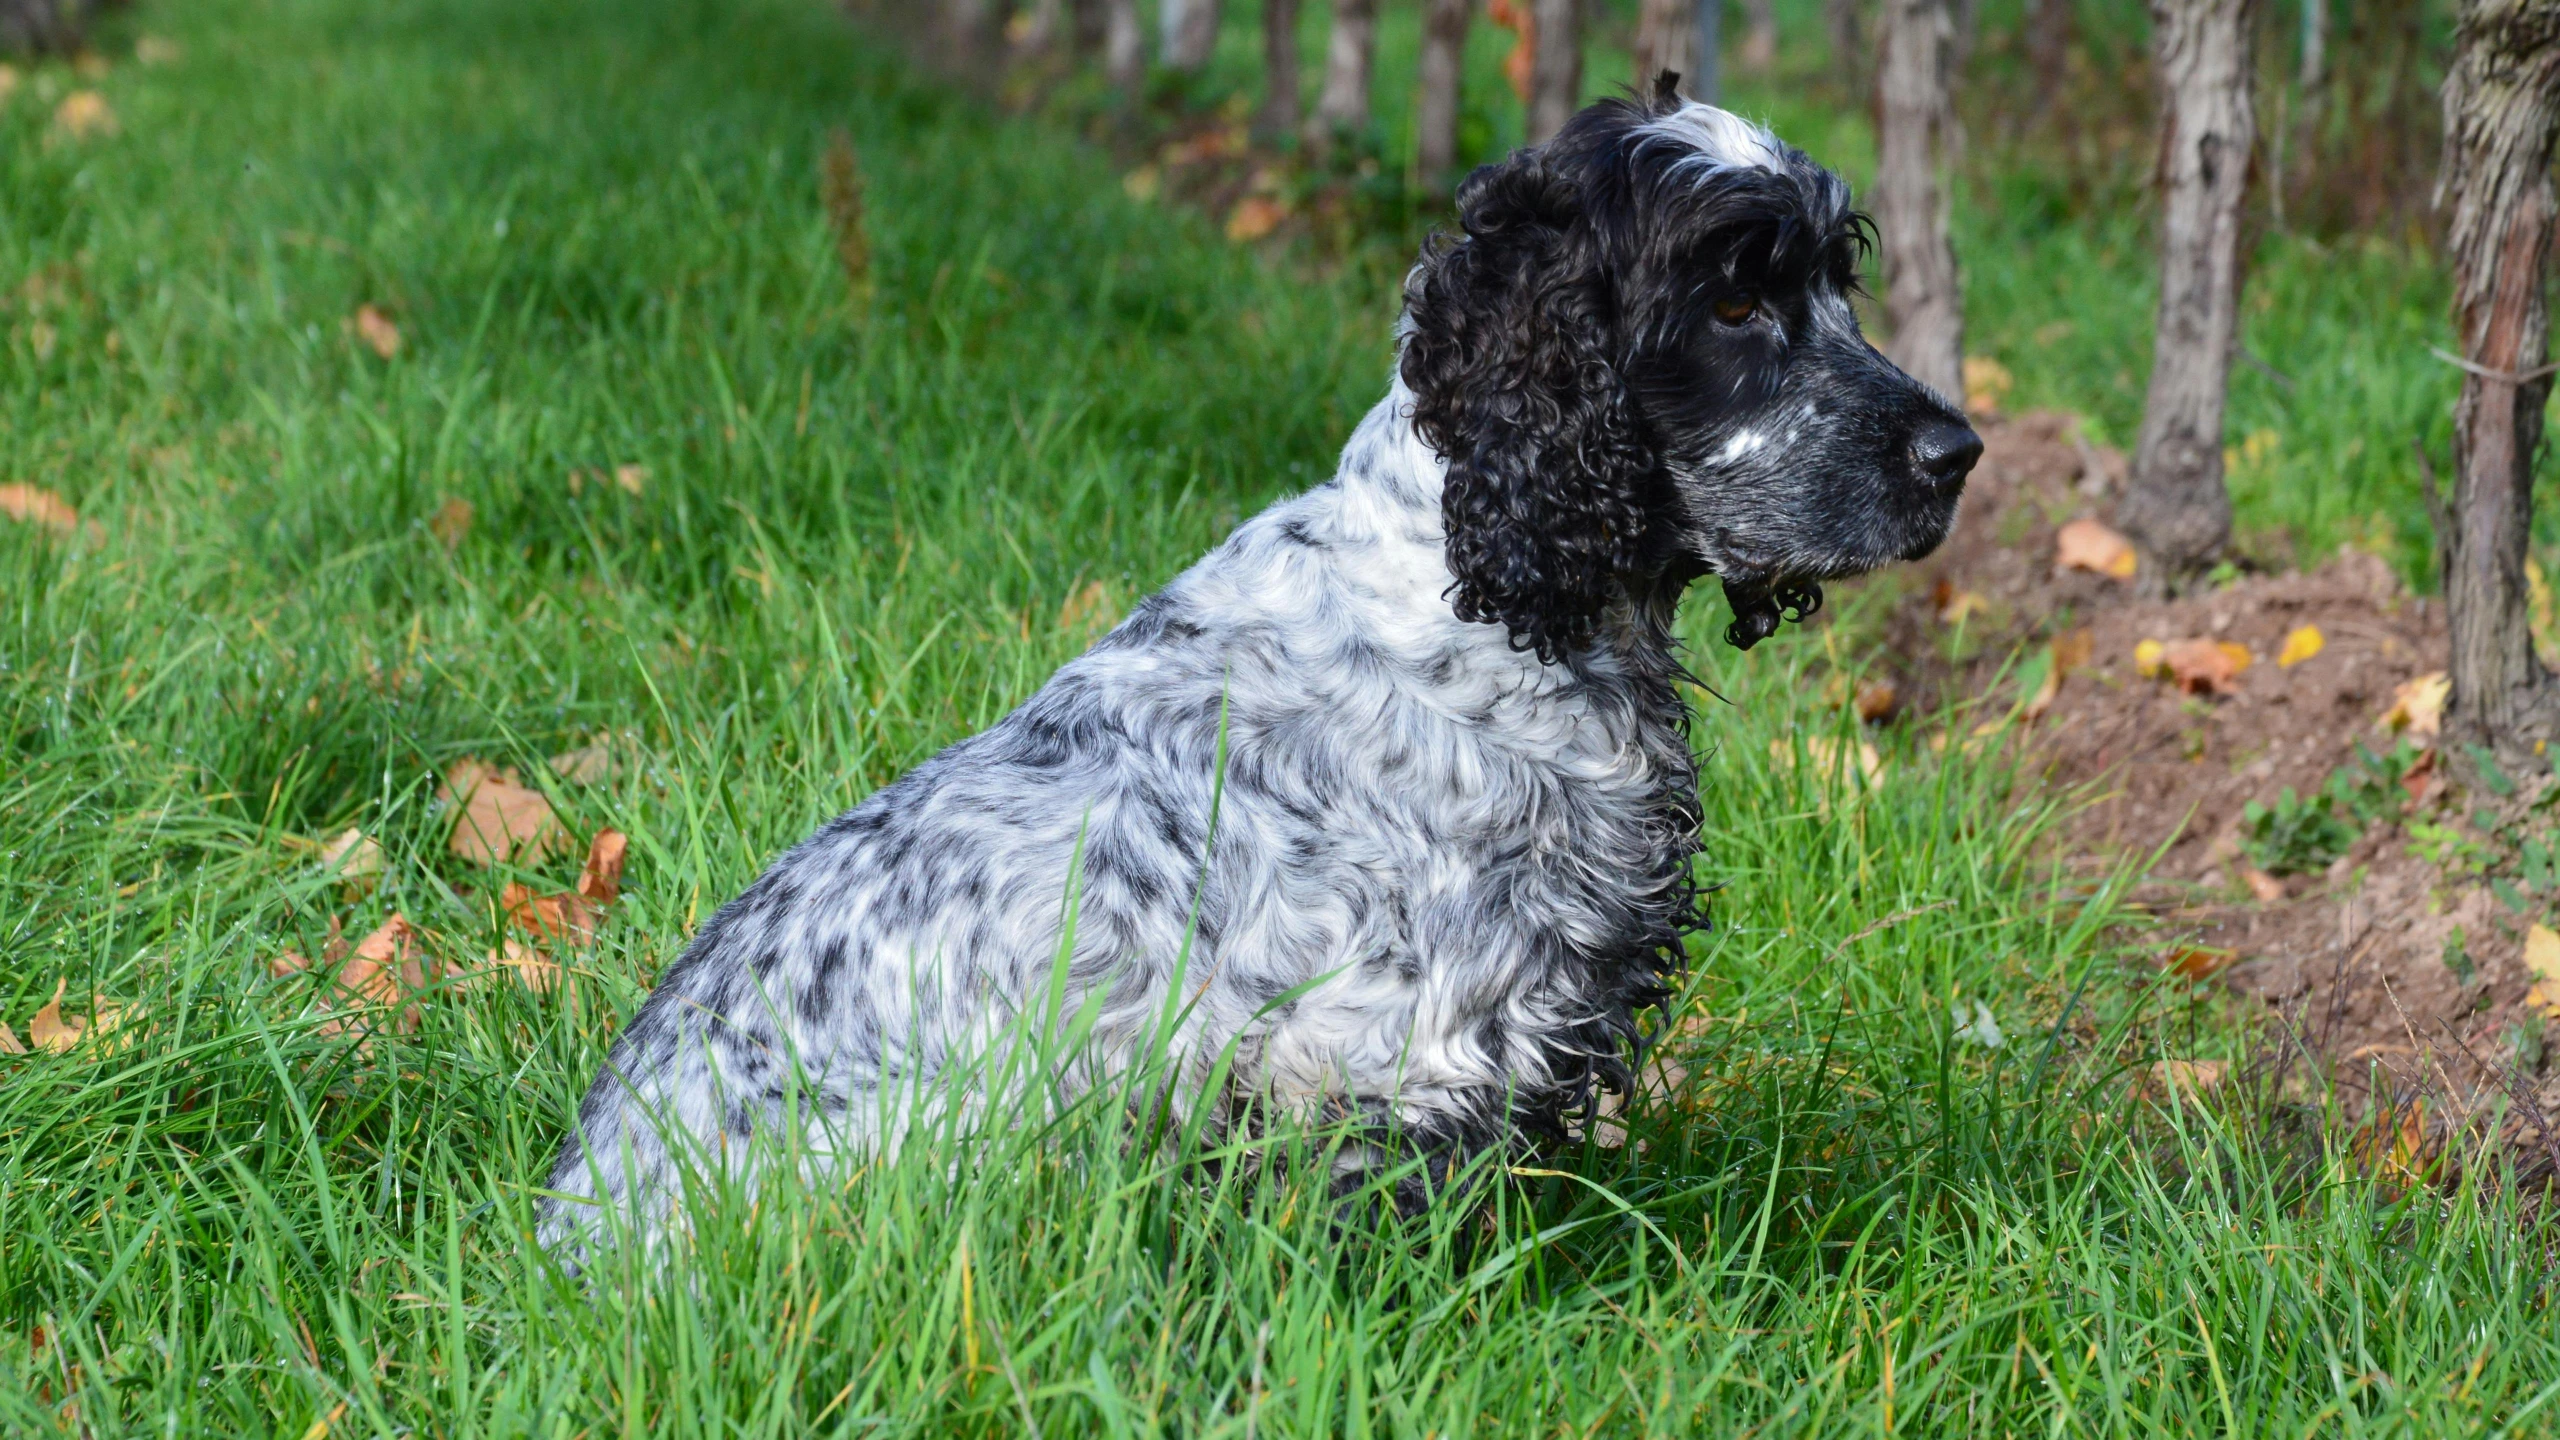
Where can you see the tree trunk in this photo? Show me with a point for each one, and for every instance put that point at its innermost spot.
(964, 22)
(1923, 303)
(1663, 30)
(2049, 51)
(1555, 78)
(1124, 44)
(41, 27)
(1090, 22)
(2501, 113)
(2314, 69)
(1041, 23)
(1759, 35)
(1279, 68)
(1435, 110)
(2175, 509)
(1848, 44)
(1350, 53)
(1190, 33)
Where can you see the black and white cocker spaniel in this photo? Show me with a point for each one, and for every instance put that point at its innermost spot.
(1390, 799)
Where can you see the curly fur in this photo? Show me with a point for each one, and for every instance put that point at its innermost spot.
(1431, 706)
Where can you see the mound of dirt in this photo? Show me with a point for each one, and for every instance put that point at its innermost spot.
(2399, 960)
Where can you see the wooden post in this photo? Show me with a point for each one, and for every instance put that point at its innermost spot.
(2175, 508)
(1923, 302)
(1555, 80)
(1350, 54)
(2501, 116)
(1435, 109)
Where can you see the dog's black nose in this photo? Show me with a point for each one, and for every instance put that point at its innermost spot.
(1942, 454)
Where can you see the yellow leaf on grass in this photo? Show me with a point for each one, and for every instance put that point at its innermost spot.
(1954, 605)
(352, 856)
(2300, 644)
(2542, 953)
(1254, 217)
(83, 114)
(377, 331)
(2086, 544)
(1876, 700)
(2417, 706)
(2186, 1077)
(53, 1033)
(1830, 757)
(499, 819)
(1142, 183)
(9, 1040)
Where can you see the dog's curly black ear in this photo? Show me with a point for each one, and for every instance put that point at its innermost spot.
(1508, 353)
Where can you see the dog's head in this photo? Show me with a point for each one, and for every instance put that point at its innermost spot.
(1640, 363)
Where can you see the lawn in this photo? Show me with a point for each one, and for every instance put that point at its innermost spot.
(865, 520)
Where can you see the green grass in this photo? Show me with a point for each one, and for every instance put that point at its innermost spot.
(599, 229)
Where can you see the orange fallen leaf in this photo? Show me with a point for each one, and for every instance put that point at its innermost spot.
(533, 970)
(2205, 667)
(2086, 544)
(34, 505)
(2266, 887)
(2417, 706)
(49, 1031)
(84, 113)
(451, 524)
(9, 1040)
(631, 478)
(498, 819)
(568, 917)
(291, 962)
(352, 856)
(1986, 384)
(2300, 644)
(378, 331)
(1876, 701)
(585, 765)
(1254, 217)
(2199, 962)
(601, 880)
(1954, 605)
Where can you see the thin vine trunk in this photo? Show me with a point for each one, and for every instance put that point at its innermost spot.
(2501, 116)
(1706, 52)
(1555, 76)
(1663, 31)
(2175, 509)
(1124, 43)
(1279, 67)
(1923, 301)
(1435, 109)
(1350, 56)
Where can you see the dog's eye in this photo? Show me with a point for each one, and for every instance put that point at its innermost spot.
(1737, 309)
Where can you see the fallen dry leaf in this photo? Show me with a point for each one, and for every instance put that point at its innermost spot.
(451, 524)
(9, 1040)
(1876, 701)
(2046, 689)
(377, 331)
(568, 917)
(1254, 217)
(1986, 384)
(2205, 667)
(291, 962)
(2183, 1077)
(1091, 607)
(498, 820)
(2300, 644)
(1829, 757)
(2074, 648)
(1142, 183)
(2266, 887)
(2086, 544)
(2199, 962)
(1954, 605)
(53, 1033)
(601, 880)
(2417, 706)
(34, 505)
(352, 856)
(386, 970)
(152, 50)
(631, 479)
(585, 765)
(533, 970)
(8, 82)
(84, 113)
(2146, 658)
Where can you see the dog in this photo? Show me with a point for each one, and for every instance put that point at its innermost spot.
(1390, 799)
